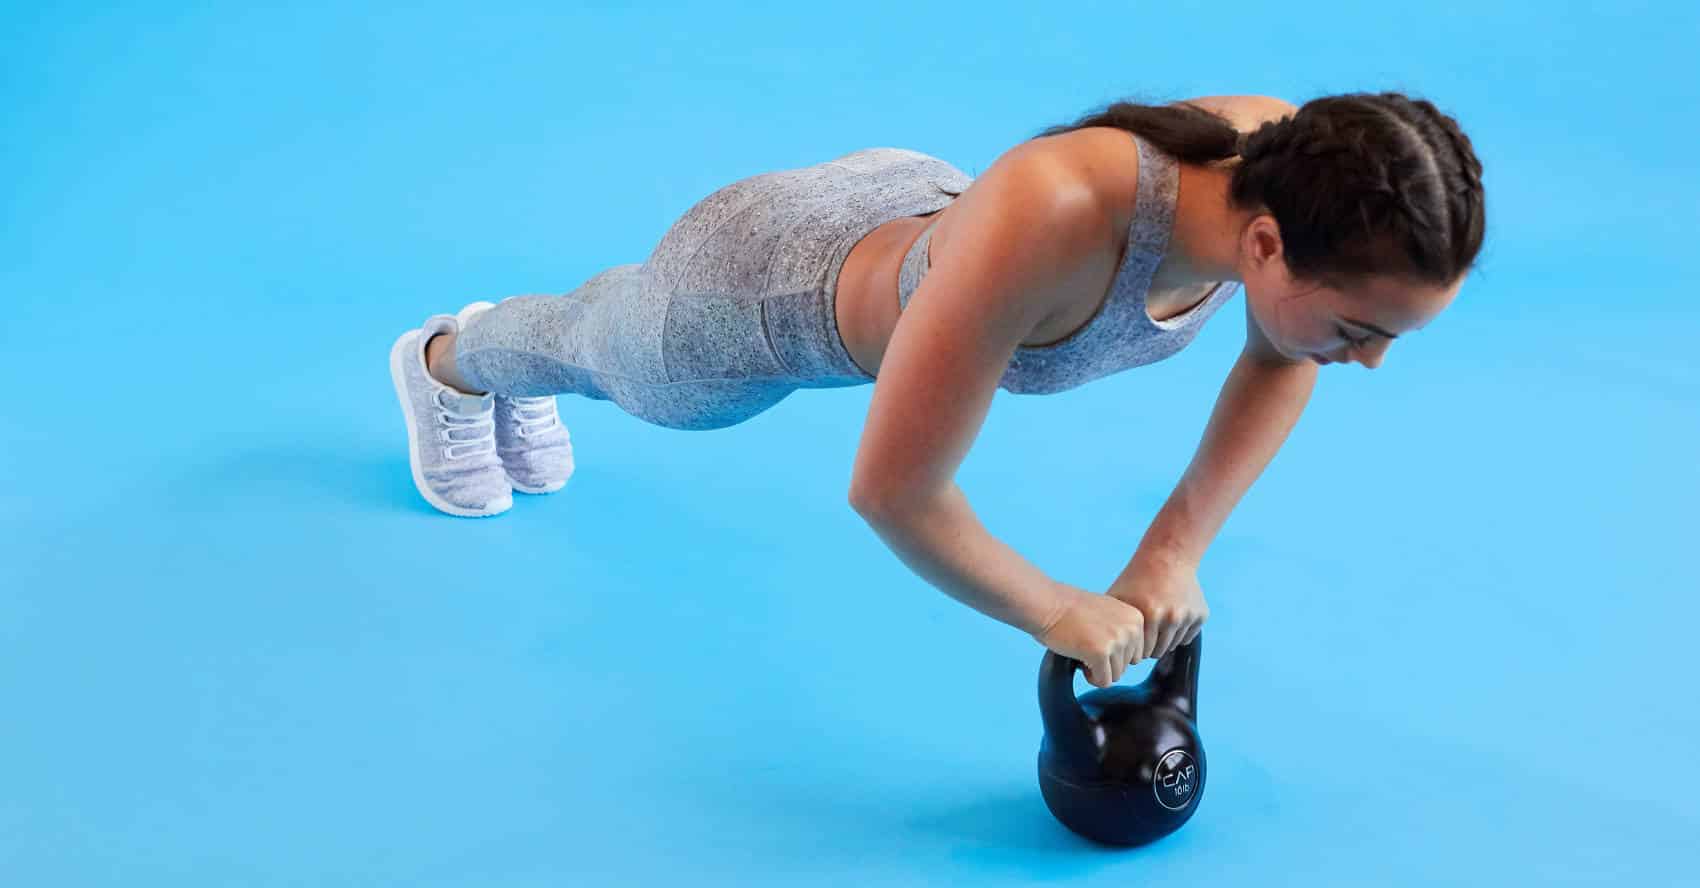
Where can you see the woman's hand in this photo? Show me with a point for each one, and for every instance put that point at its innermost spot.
(1101, 632)
(1167, 594)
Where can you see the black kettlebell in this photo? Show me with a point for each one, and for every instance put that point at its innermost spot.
(1122, 765)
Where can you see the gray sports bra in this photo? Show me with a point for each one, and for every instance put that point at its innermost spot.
(1121, 335)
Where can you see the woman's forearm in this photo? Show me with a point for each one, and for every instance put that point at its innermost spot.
(943, 541)
(1257, 409)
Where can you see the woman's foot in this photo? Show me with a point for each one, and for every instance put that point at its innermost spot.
(451, 444)
(535, 448)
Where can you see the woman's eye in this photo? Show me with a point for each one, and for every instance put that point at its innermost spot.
(1346, 335)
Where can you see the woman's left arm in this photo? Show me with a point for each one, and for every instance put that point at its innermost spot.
(1258, 406)
(1256, 410)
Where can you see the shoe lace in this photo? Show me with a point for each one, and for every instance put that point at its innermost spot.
(482, 429)
(536, 415)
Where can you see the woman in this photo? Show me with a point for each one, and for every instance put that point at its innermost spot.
(1090, 249)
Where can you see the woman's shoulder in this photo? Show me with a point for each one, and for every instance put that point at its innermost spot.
(1246, 113)
(1103, 161)
(1106, 148)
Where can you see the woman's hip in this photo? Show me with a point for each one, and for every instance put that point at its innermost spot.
(764, 253)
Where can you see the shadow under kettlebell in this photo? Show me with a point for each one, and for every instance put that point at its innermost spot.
(1122, 765)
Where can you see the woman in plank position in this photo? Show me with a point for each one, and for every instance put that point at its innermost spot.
(1089, 249)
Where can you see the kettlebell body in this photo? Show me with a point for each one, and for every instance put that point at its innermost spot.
(1122, 765)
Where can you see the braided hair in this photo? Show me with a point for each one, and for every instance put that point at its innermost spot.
(1360, 184)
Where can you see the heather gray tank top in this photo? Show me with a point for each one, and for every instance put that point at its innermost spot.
(1121, 335)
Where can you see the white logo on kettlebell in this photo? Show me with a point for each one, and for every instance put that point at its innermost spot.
(1175, 780)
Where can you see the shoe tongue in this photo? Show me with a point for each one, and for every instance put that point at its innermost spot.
(462, 404)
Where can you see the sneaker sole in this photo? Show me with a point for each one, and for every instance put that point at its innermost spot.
(398, 356)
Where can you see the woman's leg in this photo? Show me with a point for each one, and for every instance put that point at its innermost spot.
(440, 363)
(731, 312)
(682, 362)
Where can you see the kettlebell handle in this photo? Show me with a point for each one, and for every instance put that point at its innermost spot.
(1174, 679)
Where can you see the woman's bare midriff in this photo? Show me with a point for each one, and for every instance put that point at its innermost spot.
(866, 318)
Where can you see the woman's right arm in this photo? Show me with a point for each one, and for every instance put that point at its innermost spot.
(943, 542)
(1019, 228)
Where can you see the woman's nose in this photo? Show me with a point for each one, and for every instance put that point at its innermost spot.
(1370, 355)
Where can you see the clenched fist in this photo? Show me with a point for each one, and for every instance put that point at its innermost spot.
(1104, 633)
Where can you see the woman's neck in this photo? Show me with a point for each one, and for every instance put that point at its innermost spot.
(1204, 245)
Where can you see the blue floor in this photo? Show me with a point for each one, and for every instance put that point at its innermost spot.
(1451, 626)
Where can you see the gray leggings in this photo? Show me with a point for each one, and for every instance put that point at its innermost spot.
(734, 309)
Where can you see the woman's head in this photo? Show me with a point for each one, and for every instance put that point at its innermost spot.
(1364, 207)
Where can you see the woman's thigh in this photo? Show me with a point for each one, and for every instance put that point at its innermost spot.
(681, 362)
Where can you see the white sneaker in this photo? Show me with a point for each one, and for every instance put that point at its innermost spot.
(450, 435)
(535, 448)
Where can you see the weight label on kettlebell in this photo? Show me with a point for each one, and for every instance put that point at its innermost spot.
(1176, 779)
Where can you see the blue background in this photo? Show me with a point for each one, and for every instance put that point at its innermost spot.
(1452, 623)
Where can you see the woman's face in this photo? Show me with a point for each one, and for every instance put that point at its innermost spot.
(1307, 320)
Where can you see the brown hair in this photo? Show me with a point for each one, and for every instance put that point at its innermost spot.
(1360, 184)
